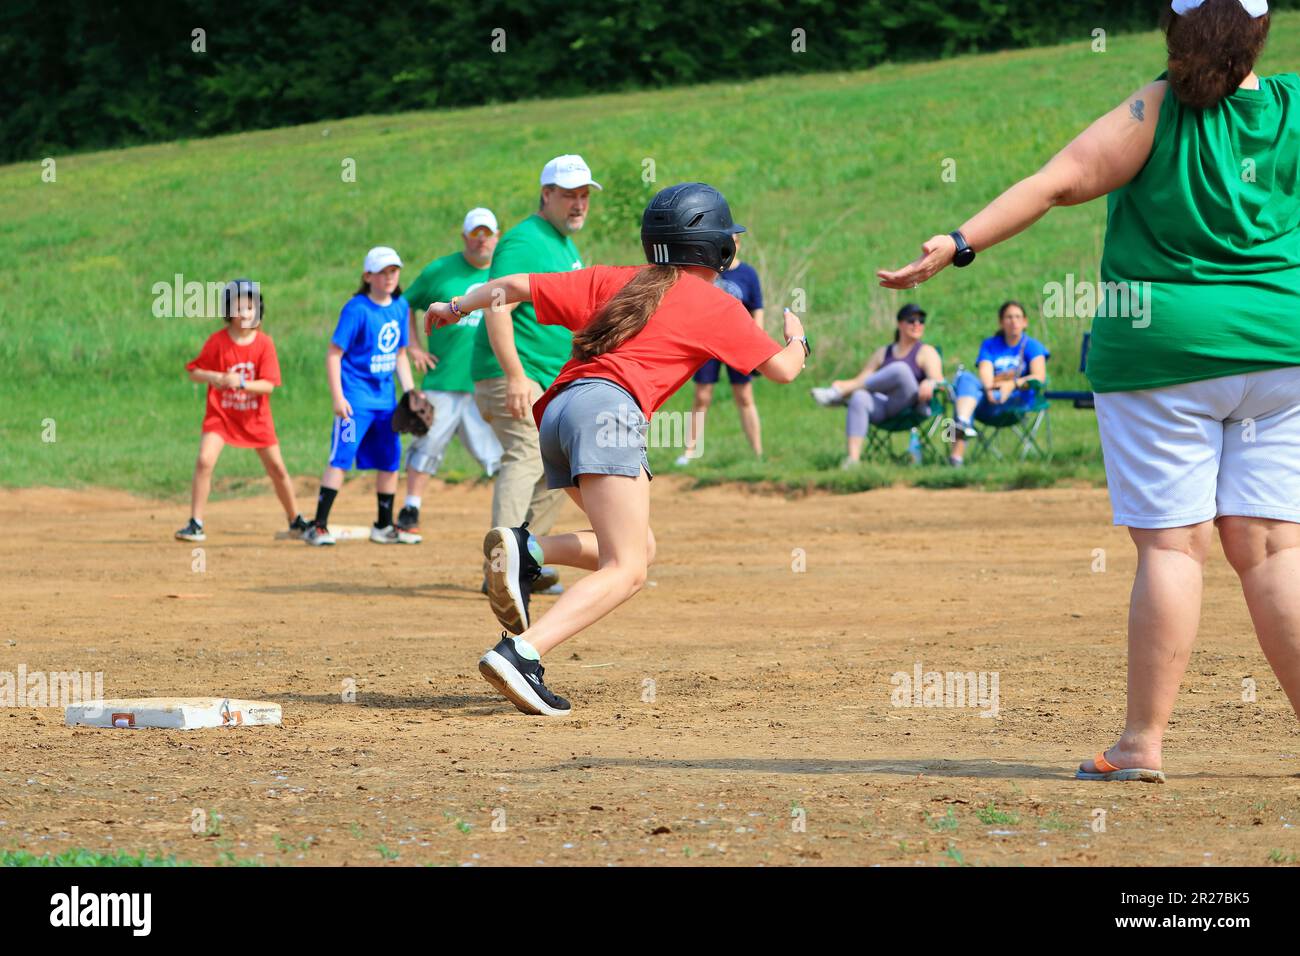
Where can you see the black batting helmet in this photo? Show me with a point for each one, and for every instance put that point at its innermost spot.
(689, 225)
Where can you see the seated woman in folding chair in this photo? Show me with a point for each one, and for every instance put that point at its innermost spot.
(895, 378)
(1008, 362)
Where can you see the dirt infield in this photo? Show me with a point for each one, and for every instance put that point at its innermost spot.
(738, 711)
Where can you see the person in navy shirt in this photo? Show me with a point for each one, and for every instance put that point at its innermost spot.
(1008, 362)
(368, 346)
(741, 281)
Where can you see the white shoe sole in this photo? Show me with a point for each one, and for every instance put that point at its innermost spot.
(406, 537)
(193, 538)
(382, 539)
(318, 542)
(499, 672)
(500, 547)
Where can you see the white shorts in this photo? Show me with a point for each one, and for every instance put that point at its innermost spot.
(454, 413)
(1189, 453)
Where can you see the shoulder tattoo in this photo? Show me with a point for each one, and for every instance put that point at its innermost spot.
(1136, 109)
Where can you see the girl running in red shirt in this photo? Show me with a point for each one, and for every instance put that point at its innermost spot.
(639, 334)
(240, 367)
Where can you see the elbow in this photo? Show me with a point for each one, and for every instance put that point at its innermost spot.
(782, 375)
(1061, 190)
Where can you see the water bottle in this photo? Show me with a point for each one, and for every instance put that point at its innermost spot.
(914, 446)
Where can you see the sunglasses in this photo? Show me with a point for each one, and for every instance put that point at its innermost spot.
(914, 319)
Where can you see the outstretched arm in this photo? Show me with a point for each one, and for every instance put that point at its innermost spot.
(494, 295)
(1104, 157)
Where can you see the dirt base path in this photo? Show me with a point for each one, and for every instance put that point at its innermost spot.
(737, 711)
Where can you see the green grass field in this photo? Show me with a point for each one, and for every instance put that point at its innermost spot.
(835, 175)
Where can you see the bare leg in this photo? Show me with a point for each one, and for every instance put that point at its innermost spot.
(210, 445)
(1164, 614)
(386, 482)
(619, 509)
(579, 549)
(699, 409)
(332, 478)
(1266, 556)
(273, 462)
(744, 396)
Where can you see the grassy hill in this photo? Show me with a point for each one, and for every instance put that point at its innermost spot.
(835, 175)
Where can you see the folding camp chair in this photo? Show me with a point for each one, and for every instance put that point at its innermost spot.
(1025, 426)
(928, 423)
(1080, 399)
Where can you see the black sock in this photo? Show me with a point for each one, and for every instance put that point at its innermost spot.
(385, 510)
(324, 502)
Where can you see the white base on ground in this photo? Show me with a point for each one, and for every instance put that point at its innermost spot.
(176, 713)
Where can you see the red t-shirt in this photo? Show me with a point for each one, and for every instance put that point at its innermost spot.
(241, 418)
(695, 322)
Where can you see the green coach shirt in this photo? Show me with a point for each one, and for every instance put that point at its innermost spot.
(452, 344)
(1208, 234)
(532, 246)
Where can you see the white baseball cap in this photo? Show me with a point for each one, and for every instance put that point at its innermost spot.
(568, 172)
(478, 216)
(380, 258)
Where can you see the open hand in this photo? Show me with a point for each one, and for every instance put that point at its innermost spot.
(421, 360)
(936, 255)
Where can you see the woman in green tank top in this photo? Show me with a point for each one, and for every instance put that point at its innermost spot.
(1195, 356)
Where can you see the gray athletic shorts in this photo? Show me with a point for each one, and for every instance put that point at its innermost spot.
(592, 427)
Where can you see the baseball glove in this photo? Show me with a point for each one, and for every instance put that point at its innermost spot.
(414, 414)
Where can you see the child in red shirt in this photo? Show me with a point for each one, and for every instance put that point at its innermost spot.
(639, 334)
(241, 369)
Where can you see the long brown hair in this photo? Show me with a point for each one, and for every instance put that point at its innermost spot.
(1211, 50)
(626, 314)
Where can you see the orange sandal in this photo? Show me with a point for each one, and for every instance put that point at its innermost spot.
(1108, 771)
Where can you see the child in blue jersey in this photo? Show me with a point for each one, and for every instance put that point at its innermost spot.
(368, 346)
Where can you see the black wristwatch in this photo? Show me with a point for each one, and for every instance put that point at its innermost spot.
(964, 255)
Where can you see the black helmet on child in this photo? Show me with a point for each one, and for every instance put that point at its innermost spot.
(689, 225)
(237, 290)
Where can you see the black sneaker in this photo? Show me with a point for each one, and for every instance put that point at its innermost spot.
(520, 681)
(191, 532)
(966, 430)
(511, 572)
(408, 526)
(299, 526)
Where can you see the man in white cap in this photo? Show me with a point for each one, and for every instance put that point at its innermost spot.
(515, 359)
(447, 382)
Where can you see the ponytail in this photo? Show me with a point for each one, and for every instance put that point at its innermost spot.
(626, 314)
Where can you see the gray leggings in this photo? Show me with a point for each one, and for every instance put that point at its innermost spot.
(883, 395)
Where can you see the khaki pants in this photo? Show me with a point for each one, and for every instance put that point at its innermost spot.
(520, 493)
